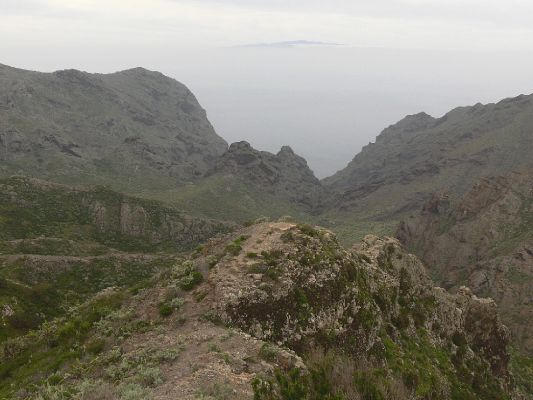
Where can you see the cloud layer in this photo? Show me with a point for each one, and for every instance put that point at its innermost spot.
(423, 24)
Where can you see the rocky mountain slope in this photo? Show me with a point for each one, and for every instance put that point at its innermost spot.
(136, 130)
(483, 240)
(246, 184)
(275, 311)
(284, 173)
(60, 245)
(32, 209)
(141, 132)
(420, 155)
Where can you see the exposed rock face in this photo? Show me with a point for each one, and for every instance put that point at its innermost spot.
(274, 298)
(131, 129)
(485, 241)
(420, 155)
(100, 214)
(285, 174)
(304, 290)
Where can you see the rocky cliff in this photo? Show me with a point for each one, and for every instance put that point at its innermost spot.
(32, 209)
(135, 130)
(274, 311)
(285, 174)
(483, 240)
(419, 155)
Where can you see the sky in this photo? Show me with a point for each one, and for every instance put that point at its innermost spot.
(397, 57)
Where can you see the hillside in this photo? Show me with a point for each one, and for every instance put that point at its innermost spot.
(420, 155)
(60, 245)
(485, 241)
(143, 133)
(274, 311)
(246, 183)
(135, 130)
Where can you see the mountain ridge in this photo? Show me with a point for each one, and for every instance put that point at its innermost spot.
(483, 240)
(131, 129)
(419, 155)
(272, 306)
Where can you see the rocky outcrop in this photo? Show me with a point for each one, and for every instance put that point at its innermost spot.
(297, 287)
(483, 240)
(272, 310)
(420, 155)
(284, 174)
(97, 214)
(131, 129)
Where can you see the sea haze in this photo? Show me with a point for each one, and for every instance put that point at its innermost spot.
(325, 110)
(328, 110)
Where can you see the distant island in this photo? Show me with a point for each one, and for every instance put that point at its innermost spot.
(292, 43)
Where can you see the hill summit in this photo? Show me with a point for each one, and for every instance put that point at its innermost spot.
(135, 129)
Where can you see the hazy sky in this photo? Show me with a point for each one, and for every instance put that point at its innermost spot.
(400, 57)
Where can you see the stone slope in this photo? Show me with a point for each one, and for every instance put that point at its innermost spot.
(135, 129)
(260, 314)
(285, 174)
(305, 291)
(420, 155)
(483, 240)
(246, 184)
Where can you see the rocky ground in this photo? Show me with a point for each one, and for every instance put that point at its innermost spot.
(268, 308)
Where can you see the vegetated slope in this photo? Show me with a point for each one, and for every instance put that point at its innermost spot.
(419, 155)
(60, 245)
(31, 209)
(135, 130)
(143, 133)
(245, 184)
(483, 240)
(275, 311)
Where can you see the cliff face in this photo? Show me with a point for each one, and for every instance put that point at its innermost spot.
(32, 208)
(306, 292)
(284, 174)
(134, 129)
(420, 155)
(485, 241)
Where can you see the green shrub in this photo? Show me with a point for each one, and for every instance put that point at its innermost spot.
(272, 257)
(216, 391)
(165, 310)
(308, 230)
(149, 376)
(268, 352)
(191, 280)
(212, 317)
(188, 277)
(55, 379)
(214, 348)
(287, 237)
(234, 248)
(459, 339)
(96, 346)
(212, 260)
(132, 391)
(289, 385)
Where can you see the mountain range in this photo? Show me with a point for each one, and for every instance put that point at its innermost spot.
(138, 258)
(135, 130)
